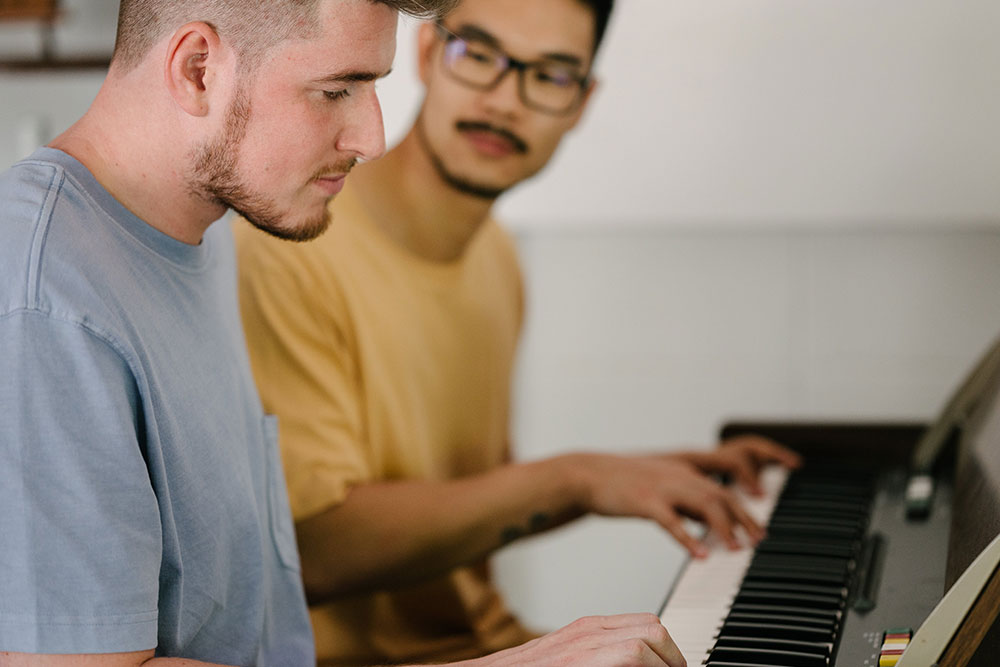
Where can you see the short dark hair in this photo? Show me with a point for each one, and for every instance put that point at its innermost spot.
(602, 12)
(253, 26)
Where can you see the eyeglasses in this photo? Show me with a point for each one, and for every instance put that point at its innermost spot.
(548, 86)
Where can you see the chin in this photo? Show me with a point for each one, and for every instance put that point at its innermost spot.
(293, 229)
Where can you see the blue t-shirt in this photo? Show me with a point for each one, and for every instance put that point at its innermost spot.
(142, 502)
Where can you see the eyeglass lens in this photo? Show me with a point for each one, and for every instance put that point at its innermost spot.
(549, 86)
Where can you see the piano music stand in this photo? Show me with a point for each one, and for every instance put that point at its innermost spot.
(954, 630)
(977, 624)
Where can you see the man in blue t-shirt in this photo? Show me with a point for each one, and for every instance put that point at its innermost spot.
(143, 516)
(143, 510)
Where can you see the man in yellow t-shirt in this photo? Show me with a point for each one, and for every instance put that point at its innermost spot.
(386, 348)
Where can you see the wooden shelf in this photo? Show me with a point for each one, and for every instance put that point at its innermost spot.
(29, 10)
(44, 13)
(55, 64)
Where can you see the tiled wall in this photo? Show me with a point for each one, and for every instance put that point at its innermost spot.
(639, 339)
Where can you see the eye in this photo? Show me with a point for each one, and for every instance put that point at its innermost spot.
(556, 76)
(480, 54)
(334, 95)
(472, 52)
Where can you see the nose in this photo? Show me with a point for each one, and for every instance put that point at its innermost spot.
(505, 97)
(364, 132)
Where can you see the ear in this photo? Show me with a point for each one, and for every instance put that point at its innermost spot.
(578, 114)
(193, 58)
(426, 41)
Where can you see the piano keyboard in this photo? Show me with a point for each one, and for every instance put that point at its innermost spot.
(782, 603)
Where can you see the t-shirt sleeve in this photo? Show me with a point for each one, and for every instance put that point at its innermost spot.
(304, 362)
(80, 540)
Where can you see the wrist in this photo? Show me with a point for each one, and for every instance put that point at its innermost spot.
(577, 479)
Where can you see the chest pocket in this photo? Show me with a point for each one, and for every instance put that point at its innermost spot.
(282, 528)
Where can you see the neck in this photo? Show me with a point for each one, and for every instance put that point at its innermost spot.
(126, 149)
(415, 207)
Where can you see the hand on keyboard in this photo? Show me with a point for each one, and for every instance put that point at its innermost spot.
(666, 489)
(741, 458)
(625, 640)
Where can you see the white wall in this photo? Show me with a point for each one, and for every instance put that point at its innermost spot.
(772, 208)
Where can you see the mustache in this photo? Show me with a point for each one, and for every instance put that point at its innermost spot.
(520, 145)
(342, 167)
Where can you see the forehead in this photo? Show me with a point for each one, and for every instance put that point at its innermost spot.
(352, 36)
(530, 29)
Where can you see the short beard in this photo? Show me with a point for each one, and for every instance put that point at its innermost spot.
(215, 177)
(463, 185)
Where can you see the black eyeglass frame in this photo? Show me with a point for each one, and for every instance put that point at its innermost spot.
(521, 66)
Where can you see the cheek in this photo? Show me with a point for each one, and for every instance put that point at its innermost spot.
(541, 148)
(280, 153)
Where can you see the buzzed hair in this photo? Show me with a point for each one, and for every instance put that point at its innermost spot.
(251, 26)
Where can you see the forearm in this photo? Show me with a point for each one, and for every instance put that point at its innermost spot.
(394, 533)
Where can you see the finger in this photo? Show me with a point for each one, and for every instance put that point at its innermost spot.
(718, 517)
(662, 645)
(769, 451)
(747, 475)
(743, 518)
(674, 524)
(787, 457)
(616, 621)
(642, 640)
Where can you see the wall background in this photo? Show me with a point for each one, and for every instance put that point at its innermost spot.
(771, 209)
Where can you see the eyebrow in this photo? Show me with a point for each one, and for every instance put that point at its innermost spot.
(353, 76)
(470, 31)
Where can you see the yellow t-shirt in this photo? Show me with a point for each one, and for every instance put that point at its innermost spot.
(383, 366)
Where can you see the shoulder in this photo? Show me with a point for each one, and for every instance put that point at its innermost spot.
(26, 190)
(47, 225)
(497, 245)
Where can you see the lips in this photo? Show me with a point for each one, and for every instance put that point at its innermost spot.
(331, 185)
(491, 144)
(490, 140)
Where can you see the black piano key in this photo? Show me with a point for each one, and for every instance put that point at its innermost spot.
(847, 509)
(788, 587)
(777, 574)
(802, 599)
(823, 648)
(829, 614)
(791, 517)
(794, 519)
(806, 563)
(758, 656)
(829, 625)
(818, 531)
(815, 488)
(825, 492)
(780, 545)
(767, 630)
(818, 487)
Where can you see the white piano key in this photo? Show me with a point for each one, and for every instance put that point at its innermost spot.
(704, 591)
